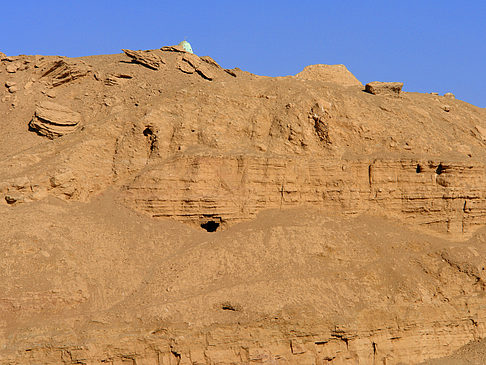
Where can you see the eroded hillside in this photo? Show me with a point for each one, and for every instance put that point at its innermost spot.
(345, 226)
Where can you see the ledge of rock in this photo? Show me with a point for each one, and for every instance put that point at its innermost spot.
(337, 74)
(53, 120)
(176, 48)
(384, 88)
(145, 58)
(191, 63)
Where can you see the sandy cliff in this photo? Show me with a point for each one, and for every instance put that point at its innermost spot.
(159, 209)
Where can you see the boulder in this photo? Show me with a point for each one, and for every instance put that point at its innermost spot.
(384, 88)
(145, 58)
(450, 95)
(337, 74)
(53, 120)
(63, 71)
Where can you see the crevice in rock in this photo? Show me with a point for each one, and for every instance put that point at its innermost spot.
(440, 169)
(342, 337)
(176, 355)
(465, 268)
(463, 215)
(228, 307)
(418, 170)
(151, 137)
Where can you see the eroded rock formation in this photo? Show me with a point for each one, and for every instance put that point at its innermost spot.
(216, 216)
(385, 88)
(53, 120)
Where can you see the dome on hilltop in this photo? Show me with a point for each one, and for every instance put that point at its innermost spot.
(186, 45)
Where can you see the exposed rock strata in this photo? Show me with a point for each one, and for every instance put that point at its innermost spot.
(66, 70)
(235, 188)
(53, 120)
(145, 58)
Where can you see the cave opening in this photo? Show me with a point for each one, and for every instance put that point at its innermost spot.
(210, 226)
(440, 169)
(418, 170)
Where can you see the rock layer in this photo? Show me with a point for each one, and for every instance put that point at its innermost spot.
(445, 198)
(53, 120)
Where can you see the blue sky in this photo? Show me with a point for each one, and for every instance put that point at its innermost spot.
(430, 45)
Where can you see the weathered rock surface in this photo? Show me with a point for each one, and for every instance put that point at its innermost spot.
(345, 228)
(175, 48)
(116, 79)
(65, 70)
(190, 63)
(53, 120)
(384, 88)
(451, 201)
(145, 58)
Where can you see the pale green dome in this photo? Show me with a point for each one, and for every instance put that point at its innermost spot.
(186, 45)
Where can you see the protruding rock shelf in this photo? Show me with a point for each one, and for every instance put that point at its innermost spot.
(53, 120)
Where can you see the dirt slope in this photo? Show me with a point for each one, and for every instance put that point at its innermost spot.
(158, 209)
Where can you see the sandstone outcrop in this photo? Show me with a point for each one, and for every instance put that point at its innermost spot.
(116, 79)
(64, 70)
(244, 220)
(190, 63)
(176, 48)
(145, 58)
(53, 120)
(384, 88)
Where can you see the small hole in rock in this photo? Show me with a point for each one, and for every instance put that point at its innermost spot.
(147, 132)
(439, 170)
(418, 169)
(210, 226)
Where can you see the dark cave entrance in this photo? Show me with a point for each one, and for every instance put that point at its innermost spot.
(210, 226)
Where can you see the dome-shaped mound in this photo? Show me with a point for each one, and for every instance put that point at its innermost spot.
(338, 74)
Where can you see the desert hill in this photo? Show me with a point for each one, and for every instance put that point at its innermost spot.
(159, 209)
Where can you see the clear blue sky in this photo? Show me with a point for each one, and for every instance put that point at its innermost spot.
(430, 45)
